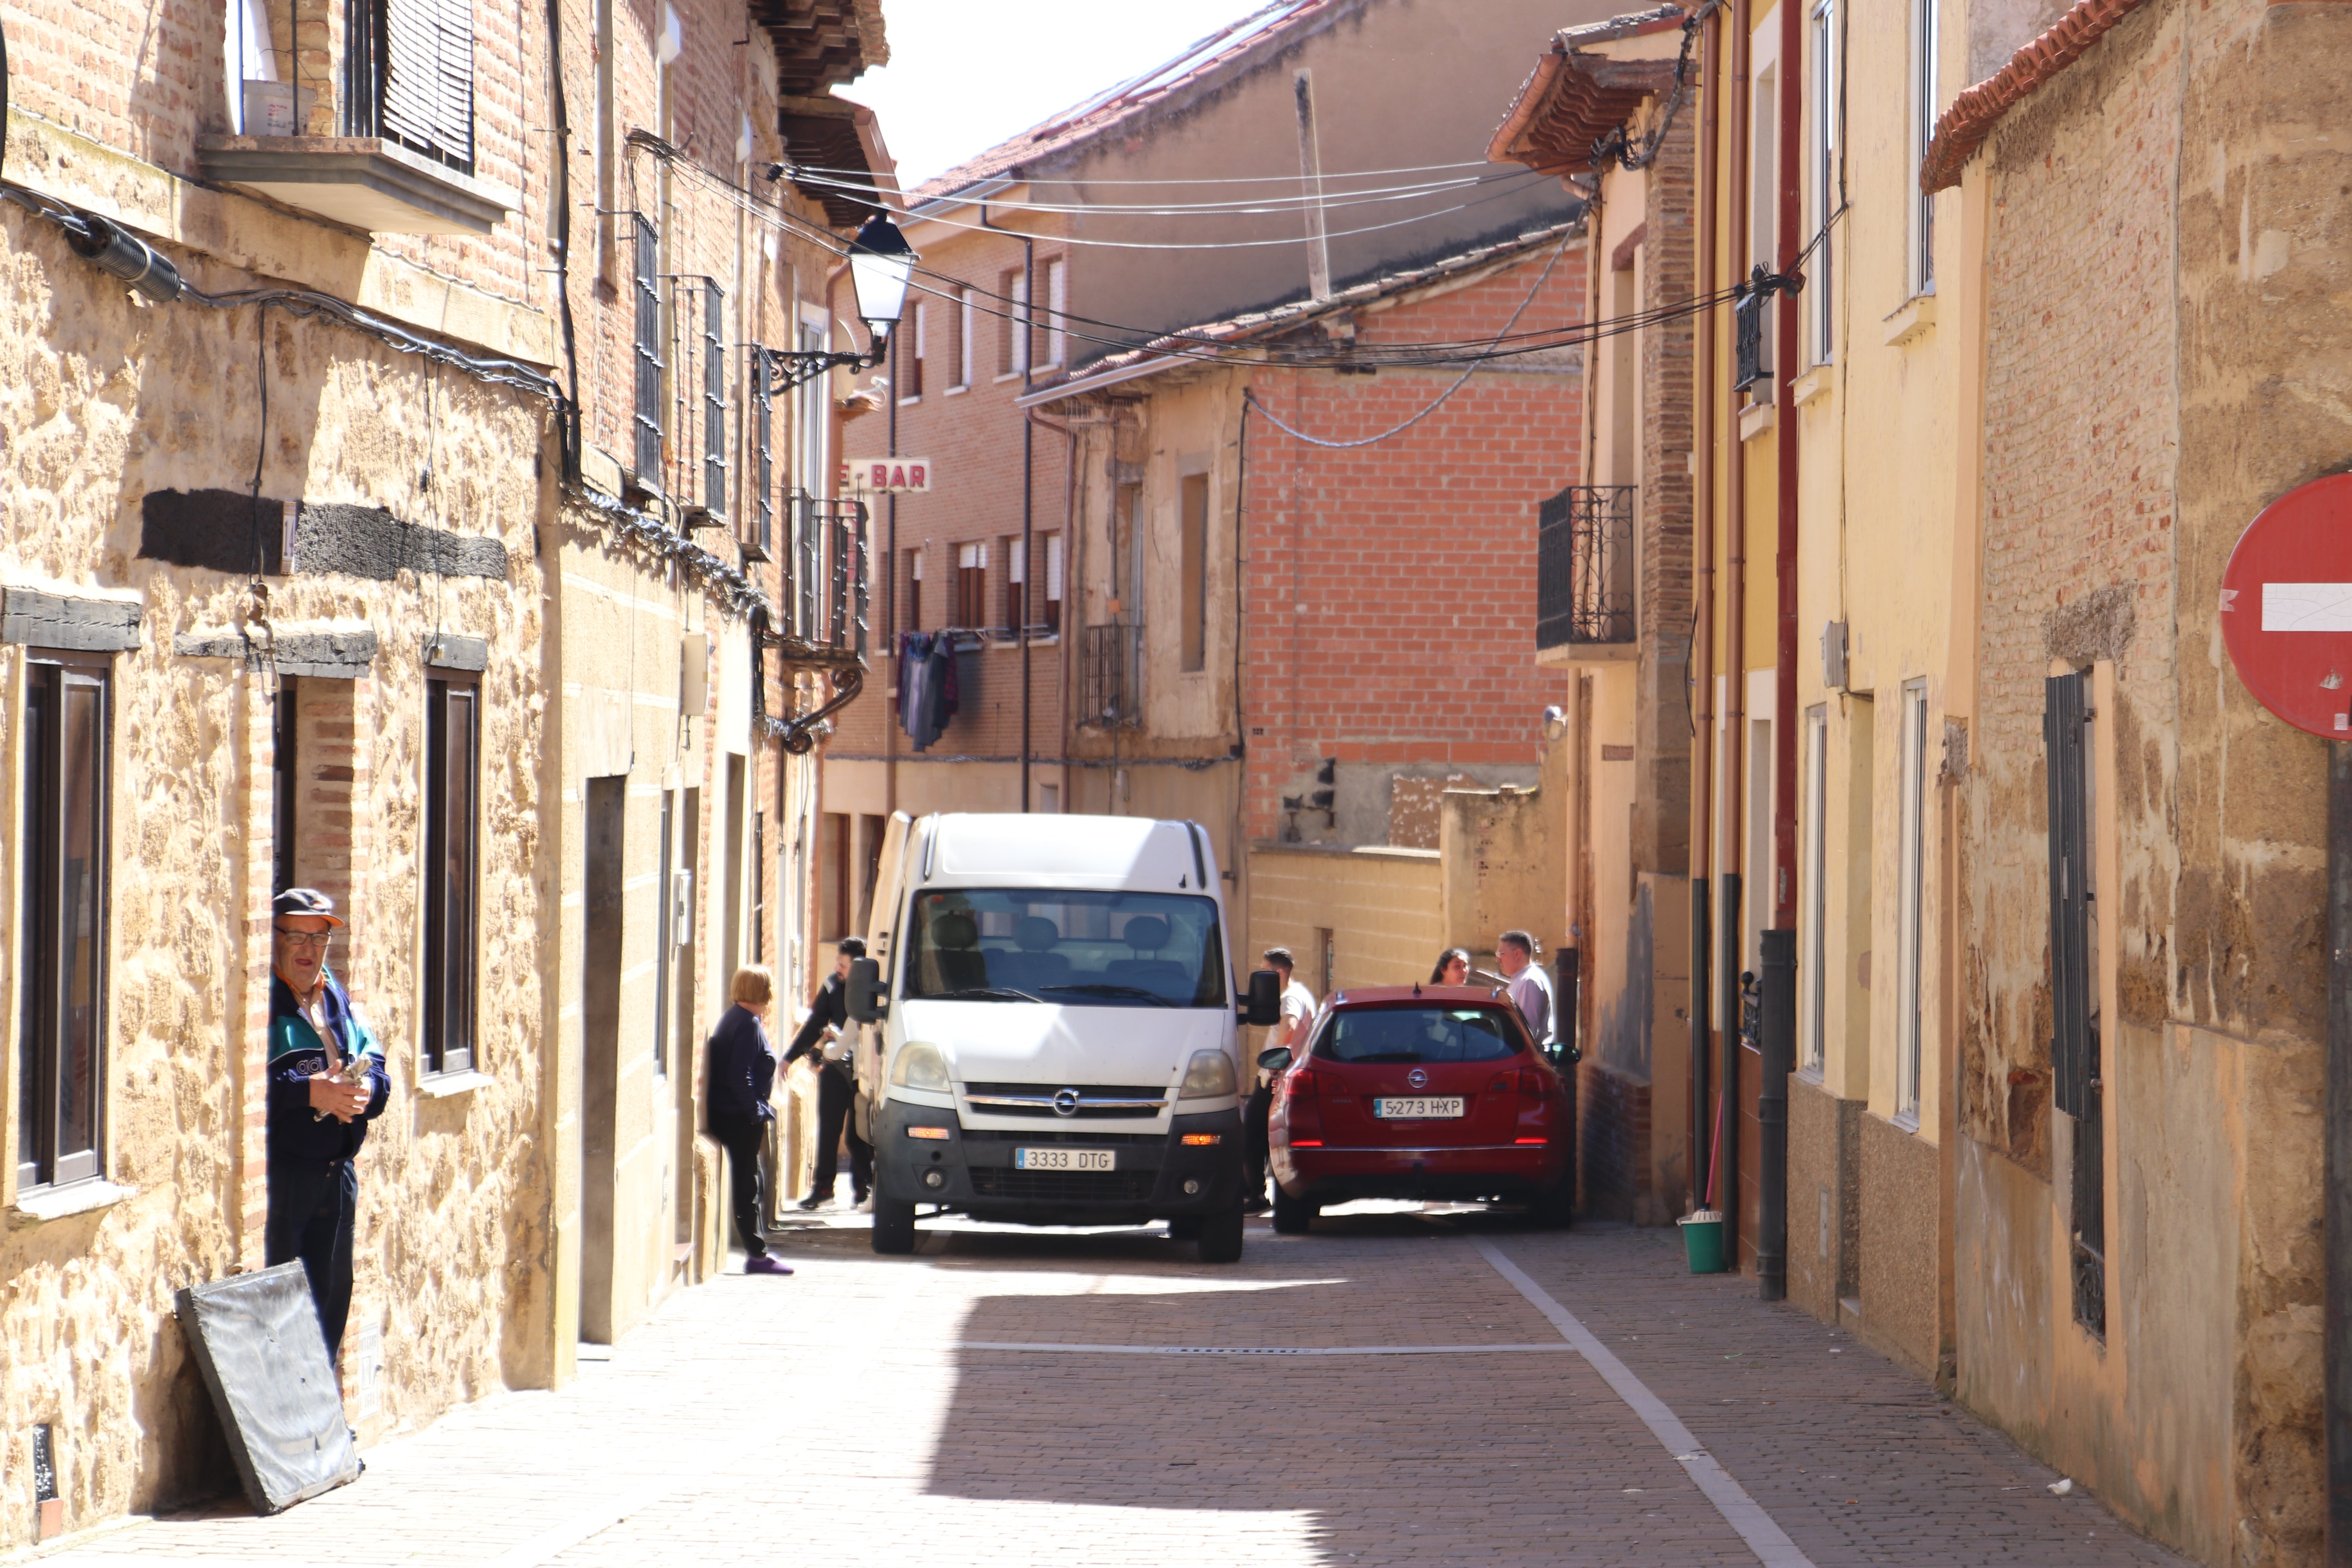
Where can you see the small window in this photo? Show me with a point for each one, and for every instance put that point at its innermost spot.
(1057, 304)
(1814, 887)
(1818, 281)
(1016, 583)
(412, 70)
(963, 337)
(1926, 22)
(1053, 584)
(1910, 871)
(452, 749)
(1193, 615)
(1012, 327)
(912, 370)
(914, 592)
(61, 1042)
(970, 608)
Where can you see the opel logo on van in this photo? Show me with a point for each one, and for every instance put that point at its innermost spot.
(1066, 1102)
(1418, 1078)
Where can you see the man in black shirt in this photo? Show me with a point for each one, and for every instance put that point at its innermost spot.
(836, 1085)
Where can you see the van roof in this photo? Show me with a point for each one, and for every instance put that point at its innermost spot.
(1070, 851)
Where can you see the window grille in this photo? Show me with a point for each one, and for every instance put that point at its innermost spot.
(827, 587)
(762, 546)
(2075, 1055)
(409, 76)
(1111, 690)
(1751, 361)
(714, 398)
(647, 343)
(1584, 566)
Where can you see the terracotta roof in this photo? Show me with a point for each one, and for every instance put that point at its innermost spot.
(1227, 52)
(1574, 97)
(1169, 349)
(1962, 129)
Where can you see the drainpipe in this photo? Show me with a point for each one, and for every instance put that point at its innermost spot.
(2336, 1166)
(1026, 326)
(1700, 656)
(1779, 1020)
(1735, 681)
(1069, 511)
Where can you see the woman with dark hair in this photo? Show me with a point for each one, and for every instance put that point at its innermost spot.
(1452, 967)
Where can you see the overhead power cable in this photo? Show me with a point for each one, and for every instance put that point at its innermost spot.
(1245, 206)
(1249, 397)
(1220, 179)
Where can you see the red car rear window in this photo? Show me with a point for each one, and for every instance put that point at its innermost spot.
(1422, 1034)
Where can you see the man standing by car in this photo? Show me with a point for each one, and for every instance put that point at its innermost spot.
(836, 1085)
(1530, 987)
(1297, 1006)
(327, 1082)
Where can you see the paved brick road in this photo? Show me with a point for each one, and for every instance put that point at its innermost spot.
(937, 1441)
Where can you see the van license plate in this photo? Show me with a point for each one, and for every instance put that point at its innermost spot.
(1067, 1159)
(1418, 1108)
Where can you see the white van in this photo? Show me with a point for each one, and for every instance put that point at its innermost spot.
(1051, 1028)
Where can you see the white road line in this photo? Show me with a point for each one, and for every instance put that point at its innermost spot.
(1743, 1513)
(1247, 1350)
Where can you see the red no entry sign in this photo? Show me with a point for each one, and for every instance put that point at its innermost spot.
(2286, 607)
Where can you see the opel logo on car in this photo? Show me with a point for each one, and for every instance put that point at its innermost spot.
(1066, 1102)
(1418, 1078)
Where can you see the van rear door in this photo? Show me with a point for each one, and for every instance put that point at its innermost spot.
(881, 931)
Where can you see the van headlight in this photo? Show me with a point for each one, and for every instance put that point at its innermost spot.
(1210, 1076)
(920, 1065)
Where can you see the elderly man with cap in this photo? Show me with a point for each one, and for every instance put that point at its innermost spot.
(327, 1082)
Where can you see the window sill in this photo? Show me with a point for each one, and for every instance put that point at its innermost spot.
(1814, 383)
(1907, 1122)
(57, 1203)
(442, 1086)
(957, 391)
(911, 400)
(1754, 420)
(1915, 320)
(1010, 376)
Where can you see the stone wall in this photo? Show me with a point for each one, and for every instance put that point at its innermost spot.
(106, 404)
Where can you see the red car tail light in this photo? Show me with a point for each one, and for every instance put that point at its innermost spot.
(1303, 1111)
(1531, 1086)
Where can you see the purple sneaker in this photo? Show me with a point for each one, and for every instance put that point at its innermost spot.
(763, 1264)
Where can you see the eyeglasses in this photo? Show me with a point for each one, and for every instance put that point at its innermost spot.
(304, 938)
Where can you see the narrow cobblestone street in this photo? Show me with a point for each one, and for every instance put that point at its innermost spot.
(1382, 1390)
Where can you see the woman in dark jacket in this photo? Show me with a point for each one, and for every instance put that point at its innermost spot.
(742, 1072)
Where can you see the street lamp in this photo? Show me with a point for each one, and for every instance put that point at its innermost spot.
(881, 262)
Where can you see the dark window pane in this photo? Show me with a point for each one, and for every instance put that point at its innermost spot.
(459, 871)
(80, 925)
(40, 745)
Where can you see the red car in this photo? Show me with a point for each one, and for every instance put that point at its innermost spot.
(1424, 1091)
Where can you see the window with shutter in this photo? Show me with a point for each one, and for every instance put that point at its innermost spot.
(2067, 720)
(422, 89)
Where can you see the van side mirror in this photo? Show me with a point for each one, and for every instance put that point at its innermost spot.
(866, 999)
(1275, 1059)
(1265, 1004)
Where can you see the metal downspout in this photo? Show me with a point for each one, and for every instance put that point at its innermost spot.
(1700, 665)
(1779, 1022)
(1735, 680)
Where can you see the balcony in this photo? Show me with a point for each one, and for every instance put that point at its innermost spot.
(1584, 570)
(1110, 678)
(823, 618)
(401, 160)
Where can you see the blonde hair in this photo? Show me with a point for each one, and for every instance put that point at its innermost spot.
(754, 986)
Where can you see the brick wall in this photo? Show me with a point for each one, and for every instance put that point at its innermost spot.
(1391, 596)
(1612, 1143)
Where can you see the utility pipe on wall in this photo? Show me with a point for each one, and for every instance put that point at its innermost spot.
(1779, 1020)
(1700, 668)
(1734, 676)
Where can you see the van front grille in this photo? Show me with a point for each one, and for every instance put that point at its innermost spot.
(1095, 1101)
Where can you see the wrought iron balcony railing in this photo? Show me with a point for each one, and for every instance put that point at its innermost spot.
(1584, 567)
(1110, 685)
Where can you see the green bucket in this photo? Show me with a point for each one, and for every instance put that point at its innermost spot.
(1703, 1240)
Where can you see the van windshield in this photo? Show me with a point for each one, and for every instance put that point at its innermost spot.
(1046, 945)
(1420, 1035)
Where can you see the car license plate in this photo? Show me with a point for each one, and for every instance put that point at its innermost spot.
(1064, 1159)
(1418, 1108)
